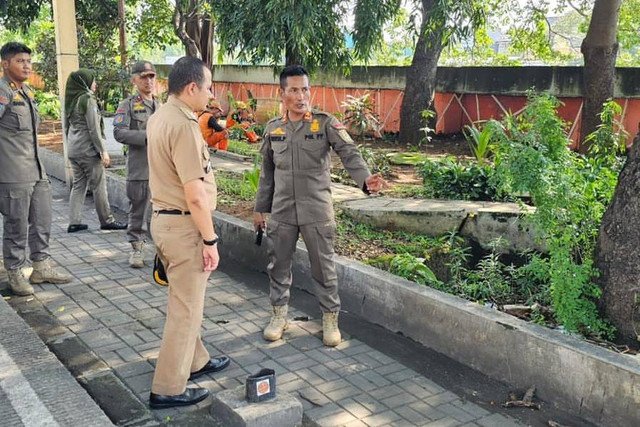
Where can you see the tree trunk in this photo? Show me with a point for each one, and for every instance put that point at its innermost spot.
(617, 253)
(599, 48)
(420, 81)
(292, 56)
(180, 27)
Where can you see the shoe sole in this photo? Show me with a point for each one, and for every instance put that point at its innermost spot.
(52, 281)
(198, 375)
(173, 405)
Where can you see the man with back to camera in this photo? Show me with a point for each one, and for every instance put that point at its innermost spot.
(183, 195)
(129, 128)
(25, 190)
(295, 187)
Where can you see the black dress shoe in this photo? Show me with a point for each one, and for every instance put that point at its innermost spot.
(115, 225)
(216, 364)
(72, 228)
(191, 396)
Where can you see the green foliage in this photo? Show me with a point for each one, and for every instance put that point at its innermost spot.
(480, 140)
(234, 185)
(570, 193)
(304, 32)
(48, 104)
(376, 162)
(412, 268)
(252, 177)
(359, 115)
(453, 179)
(242, 147)
(427, 117)
(411, 159)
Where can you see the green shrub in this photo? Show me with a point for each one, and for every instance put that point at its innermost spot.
(48, 104)
(570, 193)
(452, 179)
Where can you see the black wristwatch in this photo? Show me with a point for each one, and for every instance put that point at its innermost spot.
(211, 242)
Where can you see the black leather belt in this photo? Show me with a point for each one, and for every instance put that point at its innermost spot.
(172, 212)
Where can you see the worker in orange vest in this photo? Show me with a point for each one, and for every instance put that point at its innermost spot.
(215, 135)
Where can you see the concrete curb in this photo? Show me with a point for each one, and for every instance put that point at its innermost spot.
(596, 384)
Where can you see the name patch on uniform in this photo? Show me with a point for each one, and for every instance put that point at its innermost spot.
(139, 112)
(314, 136)
(118, 119)
(18, 102)
(278, 138)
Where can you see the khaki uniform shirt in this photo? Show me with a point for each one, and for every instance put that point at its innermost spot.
(84, 136)
(129, 127)
(177, 154)
(295, 182)
(19, 120)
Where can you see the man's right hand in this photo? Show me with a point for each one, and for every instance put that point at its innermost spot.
(106, 160)
(259, 221)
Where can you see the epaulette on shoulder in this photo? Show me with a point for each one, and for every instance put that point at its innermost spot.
(275, 119)
(5, 88)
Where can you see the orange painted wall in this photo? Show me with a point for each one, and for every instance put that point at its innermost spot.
(454, 110)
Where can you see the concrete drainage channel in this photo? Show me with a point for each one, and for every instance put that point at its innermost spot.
(591, 382)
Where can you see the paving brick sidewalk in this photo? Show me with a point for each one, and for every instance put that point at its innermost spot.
(117, 314)
(35, 388)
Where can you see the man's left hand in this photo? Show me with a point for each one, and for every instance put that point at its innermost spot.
(375, 183)
(211, 257)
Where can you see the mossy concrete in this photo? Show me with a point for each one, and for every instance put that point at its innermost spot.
(483, 222)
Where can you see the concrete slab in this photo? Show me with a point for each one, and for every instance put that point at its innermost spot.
(231, 408)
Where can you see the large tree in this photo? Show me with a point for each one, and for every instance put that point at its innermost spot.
(443, 22)
(600, 49)
(275, 31)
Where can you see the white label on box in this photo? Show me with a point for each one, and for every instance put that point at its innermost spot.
(263, 387)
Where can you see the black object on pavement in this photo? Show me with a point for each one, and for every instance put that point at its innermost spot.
(261, 386)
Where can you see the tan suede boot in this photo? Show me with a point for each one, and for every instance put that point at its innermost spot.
(278, 324)
(136, 259)
(45, 271)
(18, 283)
(330, 333)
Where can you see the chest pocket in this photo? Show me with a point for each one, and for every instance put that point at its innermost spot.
(314, 154)
(17, 118)
(281, 154)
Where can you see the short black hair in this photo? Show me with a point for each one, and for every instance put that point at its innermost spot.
(187, 69)
(11, 49)
(291, 71)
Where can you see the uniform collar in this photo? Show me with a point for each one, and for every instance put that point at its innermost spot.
(306, 118)
(176, 102)
(138, 98)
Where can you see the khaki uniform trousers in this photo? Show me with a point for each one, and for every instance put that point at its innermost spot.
(139, 195)
(179, 246)
(318, 237)
(89, 172)
(26, 209)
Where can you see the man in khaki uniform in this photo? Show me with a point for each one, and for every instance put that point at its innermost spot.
(183, 194)
(295, 187)
(25, 191)
(129, 128)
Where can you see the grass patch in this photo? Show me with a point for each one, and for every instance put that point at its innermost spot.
(243, 148)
